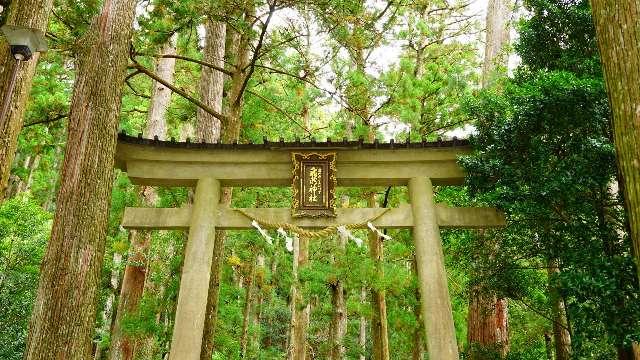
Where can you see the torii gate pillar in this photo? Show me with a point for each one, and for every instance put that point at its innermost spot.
(196, 270)
(432, 276)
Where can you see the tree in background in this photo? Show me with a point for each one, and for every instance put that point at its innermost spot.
(488, 318)
(30, 14)
(543, 147)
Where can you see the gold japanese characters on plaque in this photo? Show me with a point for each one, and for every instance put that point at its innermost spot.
(314, 184)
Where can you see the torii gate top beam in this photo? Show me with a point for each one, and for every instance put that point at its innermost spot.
(170, 163)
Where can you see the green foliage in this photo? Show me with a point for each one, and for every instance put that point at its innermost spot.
(543, 155)
(559, 35)
(24, 230)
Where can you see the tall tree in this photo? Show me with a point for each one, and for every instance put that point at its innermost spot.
(63, 317)
(338, 301)
(497, 37)
(235, 43)
(617, 24)
(488, 319)
(356, 31)
(209, 129)
(123, 346)
(32, 14)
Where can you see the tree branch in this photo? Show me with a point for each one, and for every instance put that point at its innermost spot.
(47, 120)
(252, 63)
(269, 102)
(203, 63)
(198, 103)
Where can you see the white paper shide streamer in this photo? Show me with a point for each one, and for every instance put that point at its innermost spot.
(262, 232)
(342, 230)
(288, 239)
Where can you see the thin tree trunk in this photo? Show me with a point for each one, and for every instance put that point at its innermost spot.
(259, 285)
(64, 311)
(211, 81)
(31, 165)
(133, 283)
(339, 316)
(211, 87)
(617, 24)
(300, 310)
(488, 319)
(561, 335)
(107, 313)
(123, 345)
(418, 334)
(16, 183)
(362, 333)
(497, 38)
(548, 346)
(379, 332)
(246, 313)
(160, 94)
(32, 14)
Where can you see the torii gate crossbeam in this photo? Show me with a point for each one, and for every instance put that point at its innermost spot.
(208, 167)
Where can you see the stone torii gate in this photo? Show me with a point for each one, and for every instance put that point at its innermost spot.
(208, 167)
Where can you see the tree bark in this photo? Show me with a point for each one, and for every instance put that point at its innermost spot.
(63, 316)
(561, 335)
(338, 304)
(497, 37)
(379, 327)
(488, 319)
(548, 347)
(418, 334)
(31, 164)
(160, 94)
(123, 345)
(211, 81)
(488, 325)
(300, 310)
(362, 331)
(208, 129)
(379, 331)
(617, 24)
(32, 14)
(133, 283)
(107, 313)
(246, 313)
(259, 286)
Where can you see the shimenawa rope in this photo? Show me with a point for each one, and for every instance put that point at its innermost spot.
(310, 234)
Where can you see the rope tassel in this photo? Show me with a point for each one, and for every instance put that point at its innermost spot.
(342, 230)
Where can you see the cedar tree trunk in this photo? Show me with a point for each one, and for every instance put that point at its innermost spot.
(618, 31)
(33, 14)
(63, 317)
